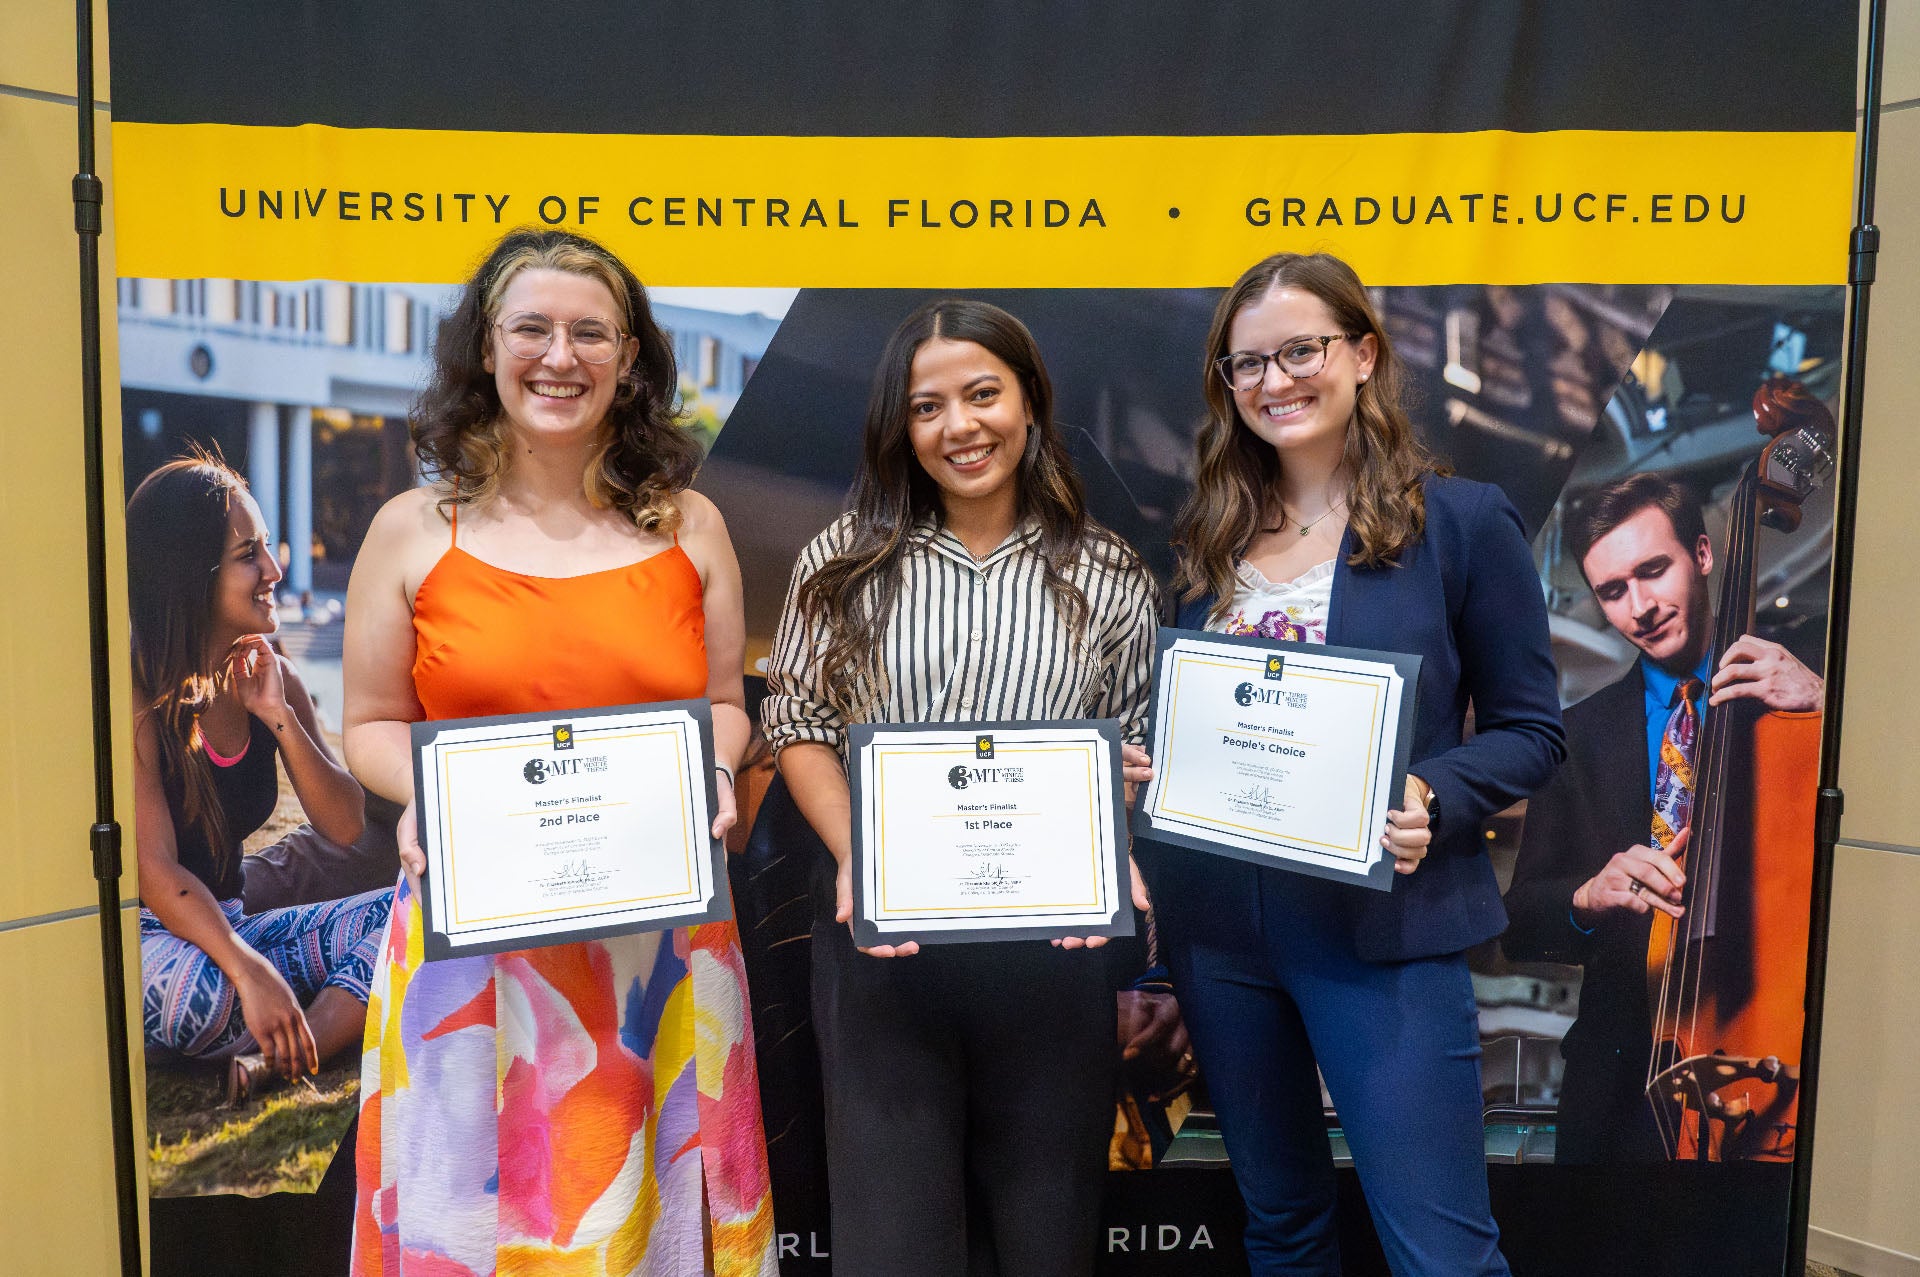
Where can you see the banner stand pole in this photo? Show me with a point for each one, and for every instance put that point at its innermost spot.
(104, 837)
(1863, 253)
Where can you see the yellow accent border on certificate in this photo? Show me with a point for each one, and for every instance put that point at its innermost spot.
(678, 732)
(541, 811)
(1356, 852)
(882, 753)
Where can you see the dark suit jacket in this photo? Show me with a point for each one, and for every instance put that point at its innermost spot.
(1466, 598)
(1599, 804)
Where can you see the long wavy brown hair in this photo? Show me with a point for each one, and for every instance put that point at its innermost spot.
(176, 537)
(458, 427)
(1235, 472)
(852, 594)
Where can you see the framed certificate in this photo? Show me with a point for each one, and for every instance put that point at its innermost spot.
(988, 831)
(545, 828)
(1281, 753)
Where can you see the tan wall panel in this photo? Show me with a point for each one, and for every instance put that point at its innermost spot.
(46, 757)
(56, 1176)
(1878, 753)
(1867, 1158)
(1901, 70)
(36, 46)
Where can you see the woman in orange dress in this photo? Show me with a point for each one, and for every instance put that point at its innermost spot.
(589, 1107)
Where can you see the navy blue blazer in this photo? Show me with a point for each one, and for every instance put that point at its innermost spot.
(1466, 598)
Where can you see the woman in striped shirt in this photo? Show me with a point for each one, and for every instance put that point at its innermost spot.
(969, 1087)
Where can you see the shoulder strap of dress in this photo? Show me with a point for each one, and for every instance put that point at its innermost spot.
(453, 538)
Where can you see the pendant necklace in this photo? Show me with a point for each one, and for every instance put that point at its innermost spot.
(1310, 525)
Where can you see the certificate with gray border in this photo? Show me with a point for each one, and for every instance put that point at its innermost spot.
(541, 829)
(1280, 753)
(988, 831)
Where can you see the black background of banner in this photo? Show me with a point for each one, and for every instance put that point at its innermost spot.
(998, 68)
(991, 68)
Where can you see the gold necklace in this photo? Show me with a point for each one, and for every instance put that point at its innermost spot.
(1309, 526)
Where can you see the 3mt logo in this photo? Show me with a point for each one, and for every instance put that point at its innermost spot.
(538, 771)
(962, 776)
(1253, 694)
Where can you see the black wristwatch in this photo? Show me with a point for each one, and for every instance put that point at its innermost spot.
(1433, 811)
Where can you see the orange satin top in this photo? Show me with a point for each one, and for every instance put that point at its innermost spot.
(491, 641)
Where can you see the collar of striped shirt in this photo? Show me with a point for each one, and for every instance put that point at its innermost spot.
(934, 534)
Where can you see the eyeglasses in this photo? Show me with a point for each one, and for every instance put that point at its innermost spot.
(528, 334)
(1301, 358)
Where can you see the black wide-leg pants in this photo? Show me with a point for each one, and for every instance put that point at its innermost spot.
(969, 1098)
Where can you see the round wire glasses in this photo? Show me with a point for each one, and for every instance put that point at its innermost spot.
(528, 334)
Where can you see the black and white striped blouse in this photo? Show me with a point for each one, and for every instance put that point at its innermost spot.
(975, 640)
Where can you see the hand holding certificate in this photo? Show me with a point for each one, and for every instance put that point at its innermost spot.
(542, 828)
(1285, 754)
(989, 831)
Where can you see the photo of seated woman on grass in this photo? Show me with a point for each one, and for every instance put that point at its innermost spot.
(236, 1000)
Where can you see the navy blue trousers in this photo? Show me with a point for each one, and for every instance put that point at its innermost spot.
(1399, 1046)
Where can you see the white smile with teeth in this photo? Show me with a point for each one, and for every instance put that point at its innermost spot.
(554, 390)
(971, 456)
(1285, 409)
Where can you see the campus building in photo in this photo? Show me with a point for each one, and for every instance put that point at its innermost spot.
(305, 388)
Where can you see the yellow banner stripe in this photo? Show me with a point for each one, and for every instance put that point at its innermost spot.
(1107, 212)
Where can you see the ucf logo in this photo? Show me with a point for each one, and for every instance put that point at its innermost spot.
(983, 746)
(1276, 666)
(563, 736)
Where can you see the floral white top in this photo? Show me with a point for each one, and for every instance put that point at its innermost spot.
(1296, 609)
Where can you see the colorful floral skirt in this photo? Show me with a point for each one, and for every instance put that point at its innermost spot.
(583, 1110)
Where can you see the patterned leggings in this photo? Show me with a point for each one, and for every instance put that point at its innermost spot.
(189, 1005)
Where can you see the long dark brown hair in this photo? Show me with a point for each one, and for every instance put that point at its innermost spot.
(177, 522)
(1235, 471)
(459, 428)
(853, 593)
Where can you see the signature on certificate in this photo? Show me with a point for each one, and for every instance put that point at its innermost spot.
(574, 876)
(990, 878)
(1255, 800)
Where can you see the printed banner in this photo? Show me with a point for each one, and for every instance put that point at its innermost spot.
(1608, 243)
(372, 205)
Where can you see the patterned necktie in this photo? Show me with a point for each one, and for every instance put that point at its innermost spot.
(1673, 778)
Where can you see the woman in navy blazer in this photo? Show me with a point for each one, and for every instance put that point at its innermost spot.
(1317, 515)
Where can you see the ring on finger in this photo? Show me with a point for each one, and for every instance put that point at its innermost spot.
(1637, 887)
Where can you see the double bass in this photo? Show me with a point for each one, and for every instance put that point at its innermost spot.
(1727, 980)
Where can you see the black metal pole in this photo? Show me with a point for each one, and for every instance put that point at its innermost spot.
(88, 196)
(1865, 246)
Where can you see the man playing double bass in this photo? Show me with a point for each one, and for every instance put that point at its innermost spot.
(1605, 842)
